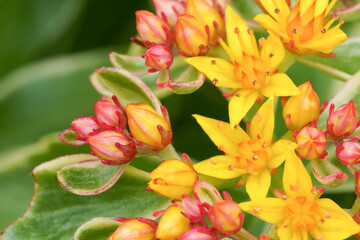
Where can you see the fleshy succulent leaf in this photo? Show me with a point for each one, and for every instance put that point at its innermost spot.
(96, 229)
(187, 82)
(132, 63)
(327, 173)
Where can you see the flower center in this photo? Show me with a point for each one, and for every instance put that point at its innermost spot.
(251, 72)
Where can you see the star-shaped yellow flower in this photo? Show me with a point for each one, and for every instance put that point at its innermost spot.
(251, 72)
(251, 156)
(299, 212)
(302, 29)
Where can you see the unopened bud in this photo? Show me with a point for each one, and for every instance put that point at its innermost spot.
(85, 126)
(135, 229)
(348, 152)
(191, 37)
(170, 9)
(301, 109)
(172, 224)
(342, 122)
(198, 233)
(172, 179)
(193, 209)
(109, 113)
(147, 126)
(159, 57)
(357, 182)
(209, 16)
(311, 143)
(226, 217)
(115, 147)
(152, 29)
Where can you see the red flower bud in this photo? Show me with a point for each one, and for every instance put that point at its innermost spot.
(311, 143)
(348, 152)
(169, 9)
(85, 126)
(135, 229)
(113, 147)
(159, 57)
(198, 233)
(343, 122)
(193, 209)
(109, 113)
(152, 29)
(226, 217)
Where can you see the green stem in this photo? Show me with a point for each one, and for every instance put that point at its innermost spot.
(287, 62)
(355, 208)
(272, 232)
(167, 153)
(245, 235)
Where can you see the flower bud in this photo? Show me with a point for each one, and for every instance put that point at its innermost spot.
(357, 182)
(301, 109)
(311, 143)
(147, 126)
(170, 9)
(193, 209)
(172, 179)
(85, 126)
(152, 29)
(158, 58)
(113, 147)
(190, 36)
(226, 217)
(209, 16)
(348, 152)
(109, 113)
(356, 218)
(343, 122)
(135, 229)
(198, 233)
(172, 224)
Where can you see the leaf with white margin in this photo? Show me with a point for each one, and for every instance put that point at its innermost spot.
(97, 229)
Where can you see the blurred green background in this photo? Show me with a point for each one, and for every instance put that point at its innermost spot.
(48, 49)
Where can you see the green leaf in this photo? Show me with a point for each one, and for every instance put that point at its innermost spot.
(327, 173)
(97, 229)
(55, 213)
(341, 67)
(187, 82)
(134, 64)
(68, 136)
(349, 14)
(89, 177)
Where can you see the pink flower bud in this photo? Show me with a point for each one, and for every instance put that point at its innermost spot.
(198, 233)
(311, 143)
(169, 9)
(357, 182)
(343, 122)
(193, 209)
(159, 57)
(113, 147)
(109, 113)
(135, 229)
(152, 29)
(85, 126)
(348, 152)
(226, 217)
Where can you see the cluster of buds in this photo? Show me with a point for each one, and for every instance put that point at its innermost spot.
(194, 26)
(108, 137)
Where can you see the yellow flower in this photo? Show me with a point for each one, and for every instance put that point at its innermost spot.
(302, 29)
(251, 156)
(251, 72)
(299, 212)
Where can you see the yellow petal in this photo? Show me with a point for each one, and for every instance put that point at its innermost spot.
(270, 24)
(240, 104)
(216, 68)
(339, 226)
(278, 155)
(244, 40)
(257, 186)
(263, 122)
(279, 85)
(320, 6)
(274, 47)
(268, 209)
(221, 133)
(305, 4)
(218, 170)
(286, 233)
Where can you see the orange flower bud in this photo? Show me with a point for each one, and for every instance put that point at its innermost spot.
(112, 147)
(226, 217)
(172, 224)
(109, 113)
(169, 9)
(190, 36)
(343, 122)
(147, 126)
(152, 29)
(301, 109)
(85, 126)
(348, 152)
(158, 58)
(135, 229)
(209, 16)
(172, 179)
(311, 143)
(198, 233)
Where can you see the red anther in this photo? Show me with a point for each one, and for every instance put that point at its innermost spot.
(331, 109)
(150, 44)
(247, 124)
(291, 43)
(259, 99)
(280, 194)
(323, 155)
(276, 71)
(142, 56)
(274, 170)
